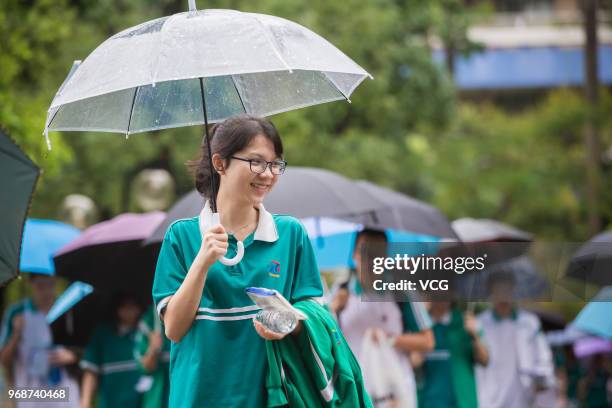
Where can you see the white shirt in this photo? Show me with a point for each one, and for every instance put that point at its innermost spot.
(357, 317)
(518, 354)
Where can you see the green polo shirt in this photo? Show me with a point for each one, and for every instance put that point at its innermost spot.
(449, 379)
(415, 317)
(110, 355)
(156, 396)
(221, 361)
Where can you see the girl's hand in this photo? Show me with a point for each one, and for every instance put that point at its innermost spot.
(266, 333)
(470, 324)
(214, 245)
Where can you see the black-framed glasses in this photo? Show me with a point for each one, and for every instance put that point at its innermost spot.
(259, 166)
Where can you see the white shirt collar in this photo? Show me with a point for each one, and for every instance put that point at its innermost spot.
(266, 226)
(444, 319)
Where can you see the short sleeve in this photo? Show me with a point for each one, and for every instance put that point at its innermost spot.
(93, 358)
(307, 282)
(170, 270)
(7, 324)
(415, 317)
(141, 340)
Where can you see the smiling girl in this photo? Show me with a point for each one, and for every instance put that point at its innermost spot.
(218, 356)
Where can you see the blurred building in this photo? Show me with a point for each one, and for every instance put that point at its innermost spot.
(530, 46)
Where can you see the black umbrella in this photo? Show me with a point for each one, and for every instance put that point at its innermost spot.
(311, 192)
(109, 256)
(485, 230)
(500, 242)
(401, 212)
(593, 261)
(18, 176)
(529, 282)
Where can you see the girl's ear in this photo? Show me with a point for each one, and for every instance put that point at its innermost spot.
(218, 164)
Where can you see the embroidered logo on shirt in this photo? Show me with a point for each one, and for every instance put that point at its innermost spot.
(274, 269)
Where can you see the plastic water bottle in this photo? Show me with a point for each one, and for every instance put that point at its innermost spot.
(277, 321)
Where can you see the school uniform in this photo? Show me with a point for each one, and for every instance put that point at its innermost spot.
(221, 360)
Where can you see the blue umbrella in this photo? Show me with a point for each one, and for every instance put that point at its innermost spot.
(333, 241)
(71, 296)
(596, 317)
(41, 240)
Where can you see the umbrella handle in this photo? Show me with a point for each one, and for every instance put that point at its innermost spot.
(214, 221)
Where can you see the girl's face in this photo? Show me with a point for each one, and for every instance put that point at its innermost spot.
(244, 184)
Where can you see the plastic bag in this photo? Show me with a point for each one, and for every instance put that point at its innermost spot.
(383, 374)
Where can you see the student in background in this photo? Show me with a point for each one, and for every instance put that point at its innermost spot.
(27, 352)
(406, 325)
(152, 351)
(110, 370)
(449, 378)
(520, 359)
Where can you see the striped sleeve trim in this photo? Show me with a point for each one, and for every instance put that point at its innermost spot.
(119, 367)
(226, 318)
(161, 306)
(421, 316)
(230, 310)
(88, 365)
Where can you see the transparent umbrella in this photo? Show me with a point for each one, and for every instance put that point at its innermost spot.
(200, 67)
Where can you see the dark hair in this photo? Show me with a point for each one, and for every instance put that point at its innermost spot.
(122, 298)
(227, 138)
(500, 277)
(374, 244)
(372, 234)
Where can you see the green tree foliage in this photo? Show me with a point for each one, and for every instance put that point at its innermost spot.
(405, 129)
(525, 168)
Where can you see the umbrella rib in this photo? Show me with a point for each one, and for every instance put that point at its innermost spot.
(331, 81)
(274, 48)
(131, 111)
(238, 92)
(54, 115)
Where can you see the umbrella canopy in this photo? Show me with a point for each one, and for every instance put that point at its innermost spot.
(592, 345)
(109, 255)
(401, 212)
(569, 335)
(71, 296)
(596, 317)
(530, 284)
(497, 241)
(162, 73)
(485, 230)
(333, 241)
(312, 192)
(18, 176)
(593, 261)
(41, 240)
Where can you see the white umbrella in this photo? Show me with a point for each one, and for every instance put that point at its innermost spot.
(159, 74)
(201, 67)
